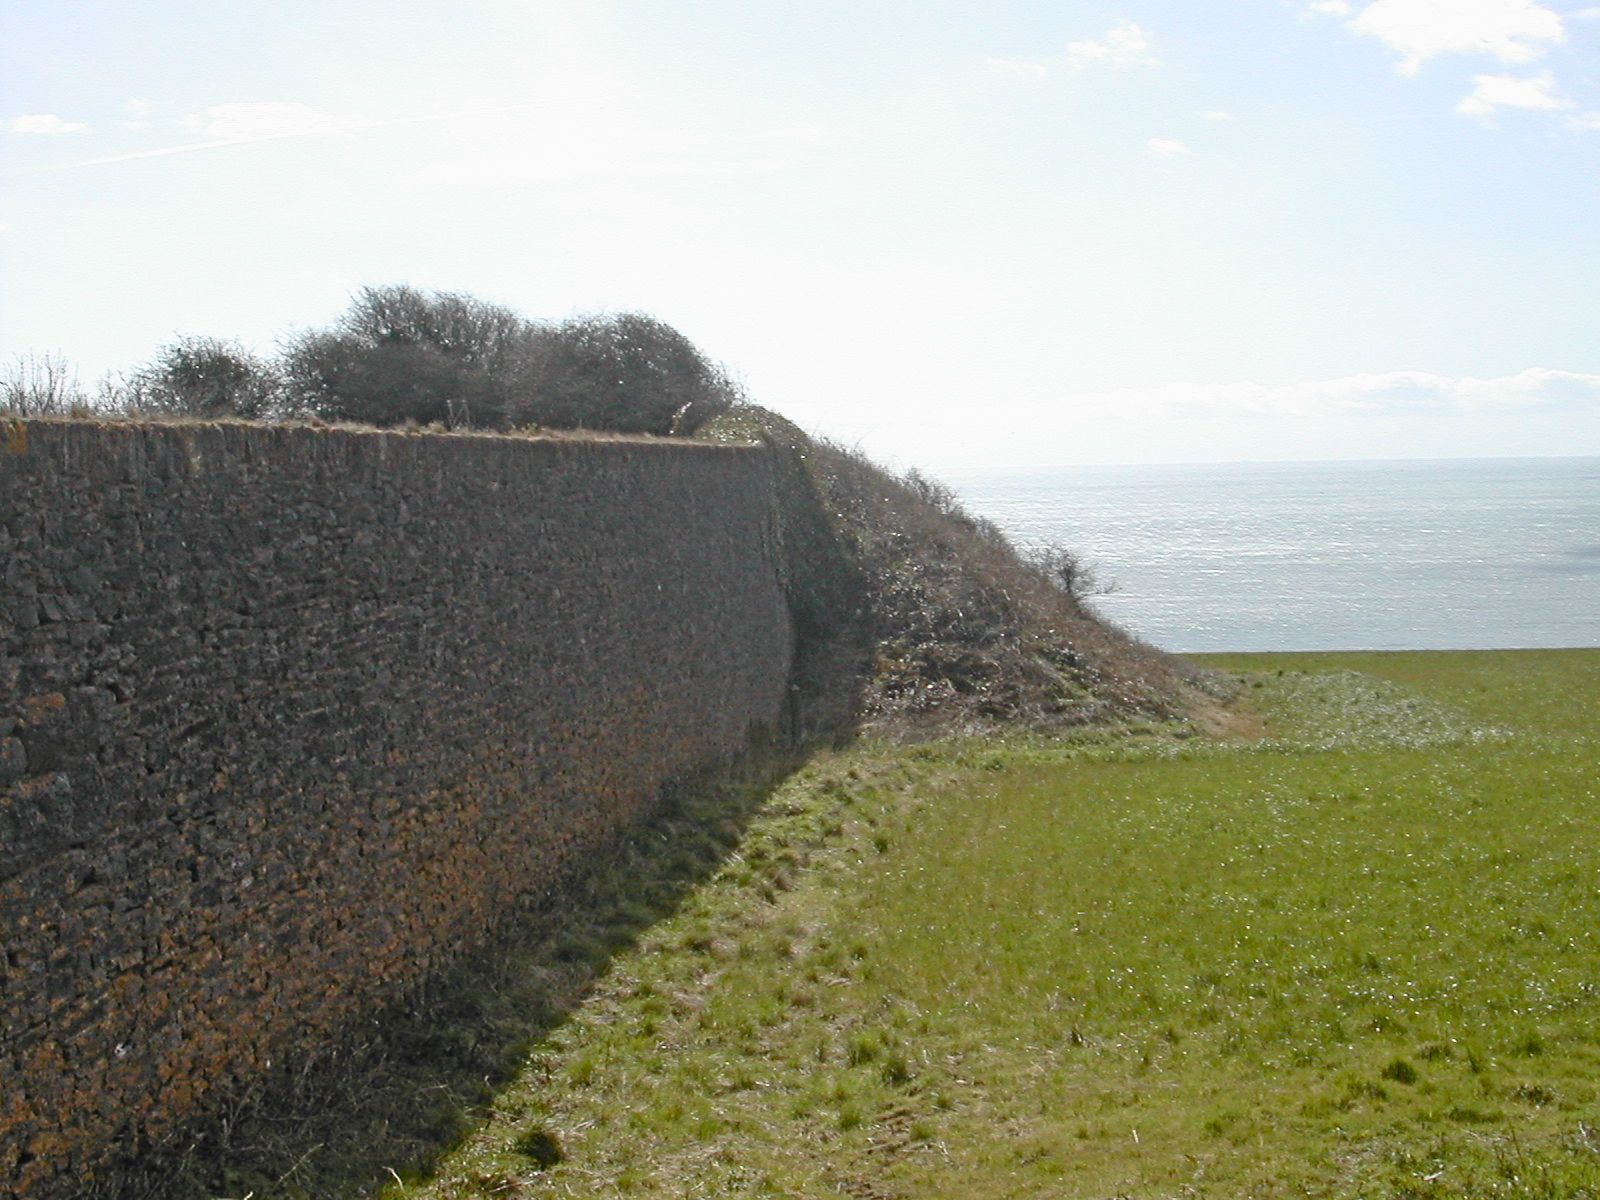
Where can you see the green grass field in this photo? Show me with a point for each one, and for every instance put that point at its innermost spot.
(1358, 955)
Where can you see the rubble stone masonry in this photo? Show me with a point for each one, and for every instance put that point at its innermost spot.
(289, 716)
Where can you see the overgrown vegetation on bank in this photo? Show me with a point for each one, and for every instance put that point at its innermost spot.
(955, 631)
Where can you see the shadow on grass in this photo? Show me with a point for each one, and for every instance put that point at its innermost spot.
(406, 1085)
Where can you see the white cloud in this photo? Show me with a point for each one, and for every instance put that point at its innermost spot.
(136, 114)
(1017, 66)
(1214, 114)
(1334, 8)
(1513, 31)
(1587, 14)
(1390, 392)
(1166, 147)
(1125, 44)
(43, 123)
(1585, 121)
(1493, 92)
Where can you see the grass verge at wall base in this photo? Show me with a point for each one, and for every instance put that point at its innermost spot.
(398, 1088)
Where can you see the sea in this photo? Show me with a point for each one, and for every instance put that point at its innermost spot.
(1378, 555)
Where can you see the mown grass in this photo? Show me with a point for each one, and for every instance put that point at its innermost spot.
(1359, 956)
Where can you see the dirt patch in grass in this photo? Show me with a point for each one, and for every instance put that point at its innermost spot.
(1228, 721)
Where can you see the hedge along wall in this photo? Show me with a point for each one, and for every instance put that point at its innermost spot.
(288, 716)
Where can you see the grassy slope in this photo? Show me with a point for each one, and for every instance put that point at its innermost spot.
(1354, 958)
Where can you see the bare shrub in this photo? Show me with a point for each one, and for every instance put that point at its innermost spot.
(41, 385)
(626, 372)
(402, 354)
(931, 491)
(473, 331)
(200, 377)
(1067, 570)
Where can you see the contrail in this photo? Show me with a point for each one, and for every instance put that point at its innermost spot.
(219, 143)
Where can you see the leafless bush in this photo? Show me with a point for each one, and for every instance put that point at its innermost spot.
(931, 491)
(473, 331)
(41, 385)
(401, 354)
(1068, 571)
(200, 377)
(625, 372)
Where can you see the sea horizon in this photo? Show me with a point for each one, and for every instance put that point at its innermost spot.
(1316, 555)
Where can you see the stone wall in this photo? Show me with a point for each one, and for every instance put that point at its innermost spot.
(289, 716)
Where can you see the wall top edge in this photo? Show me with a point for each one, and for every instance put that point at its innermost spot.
(554, 438)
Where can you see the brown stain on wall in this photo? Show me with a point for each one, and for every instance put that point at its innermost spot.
(289, 717)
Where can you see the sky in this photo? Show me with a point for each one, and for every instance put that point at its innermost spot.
(975, 234)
